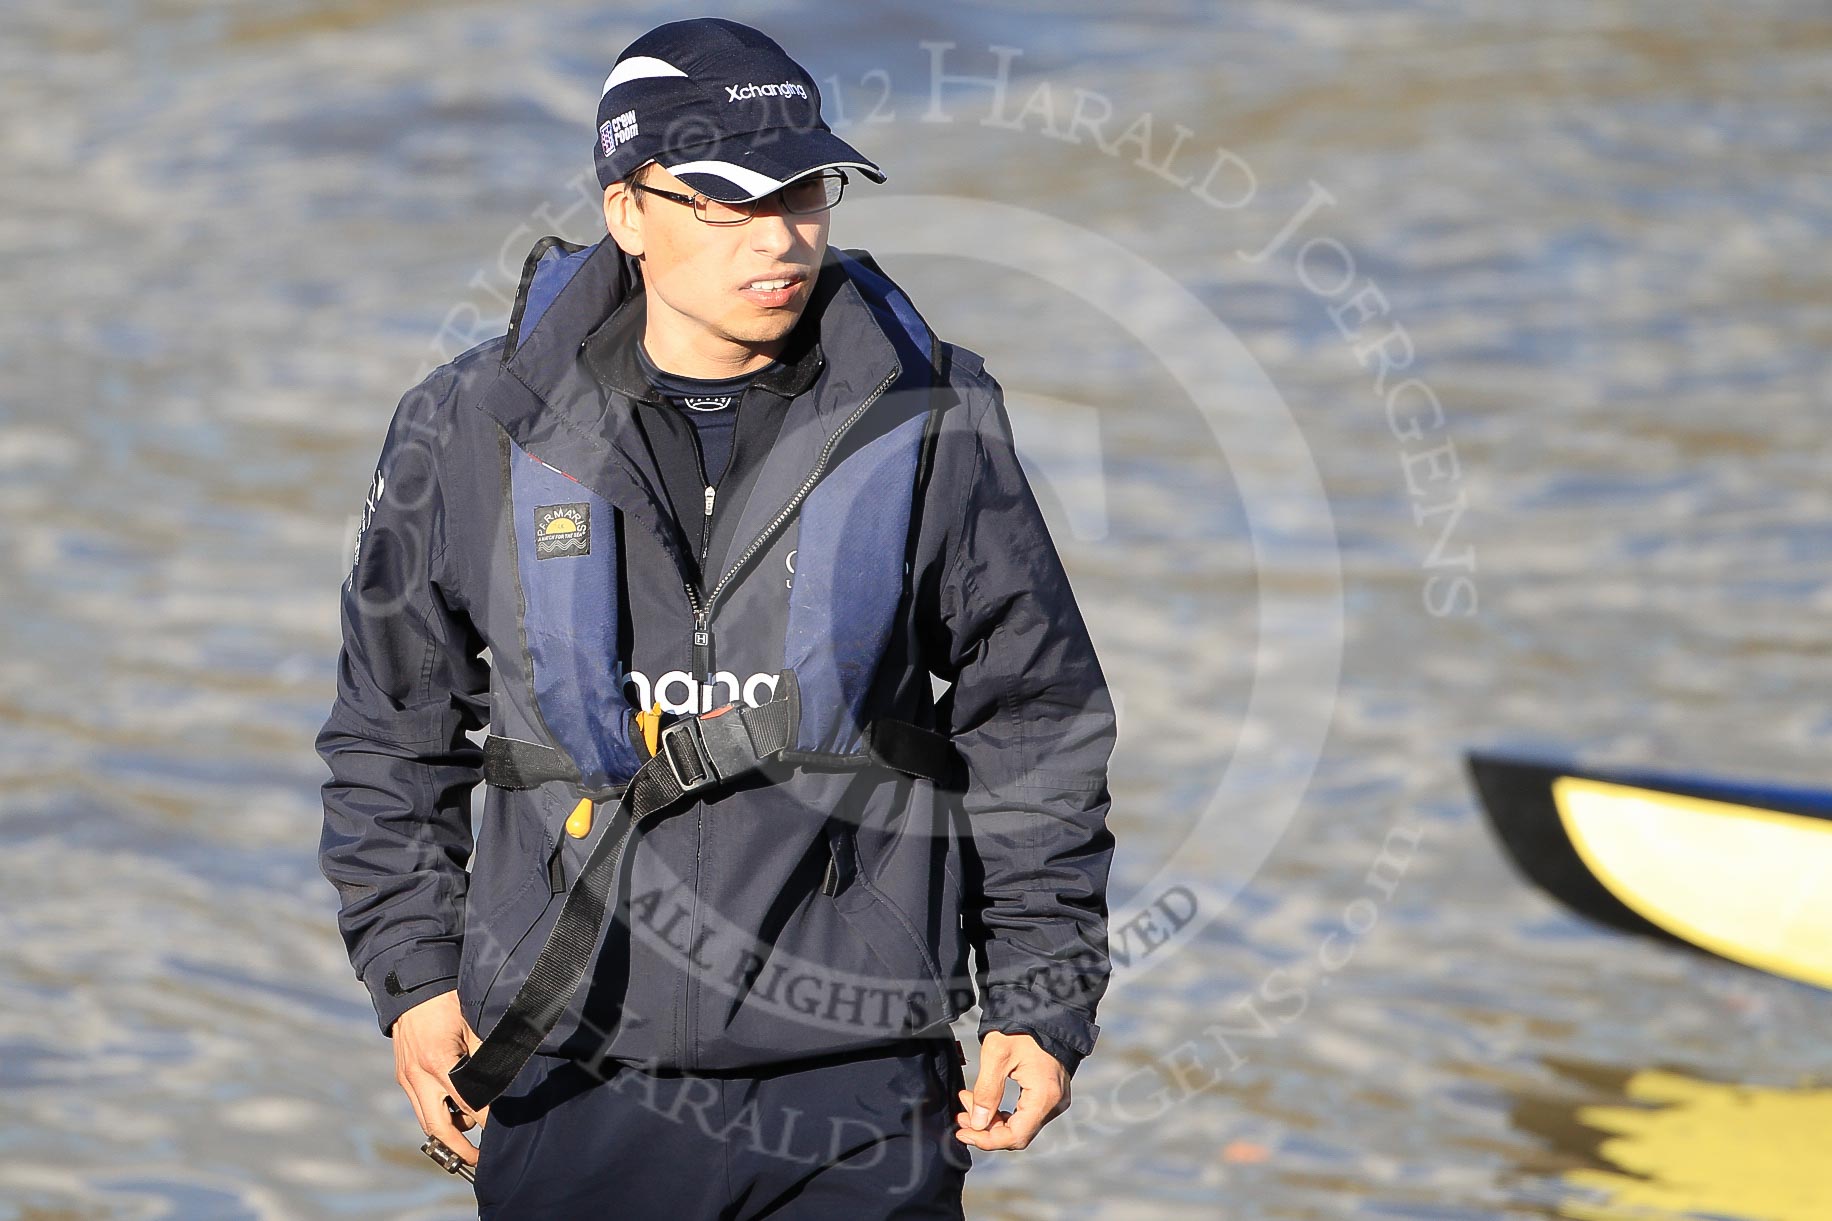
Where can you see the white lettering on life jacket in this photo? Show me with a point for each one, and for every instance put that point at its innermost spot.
(678, 691)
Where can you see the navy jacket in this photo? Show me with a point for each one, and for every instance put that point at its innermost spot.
(799, 911)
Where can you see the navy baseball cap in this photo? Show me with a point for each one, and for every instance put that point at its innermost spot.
(719, 105)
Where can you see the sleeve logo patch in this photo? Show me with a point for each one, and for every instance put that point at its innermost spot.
(362, 527)
(562, 530)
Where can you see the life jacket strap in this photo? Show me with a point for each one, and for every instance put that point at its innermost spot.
(511, 763)
(897, 745)
(701, 751)
(694, 753)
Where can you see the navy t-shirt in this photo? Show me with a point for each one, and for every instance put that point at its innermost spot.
(711, 404)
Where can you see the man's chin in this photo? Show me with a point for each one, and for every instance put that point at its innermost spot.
(772, 329)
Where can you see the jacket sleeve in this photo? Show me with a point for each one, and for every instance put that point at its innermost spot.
(410, 683)
(1030, 713)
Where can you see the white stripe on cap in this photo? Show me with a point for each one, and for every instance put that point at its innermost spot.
(740, 177)
(639, 67)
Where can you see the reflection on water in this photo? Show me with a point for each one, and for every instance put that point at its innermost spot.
(1663, 1143)
(236, 232)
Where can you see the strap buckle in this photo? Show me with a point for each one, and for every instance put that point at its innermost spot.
(682, 745)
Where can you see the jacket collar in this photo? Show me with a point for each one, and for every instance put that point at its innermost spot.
(553, 403)
(838, 351)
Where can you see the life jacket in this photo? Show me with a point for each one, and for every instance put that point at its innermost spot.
(854, 511)
(843, 600)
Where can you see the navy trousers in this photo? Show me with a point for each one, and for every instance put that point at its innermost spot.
(854, 1136)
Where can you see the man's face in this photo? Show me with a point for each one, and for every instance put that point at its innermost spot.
(698, 277)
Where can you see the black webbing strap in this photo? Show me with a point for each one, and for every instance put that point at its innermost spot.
(510, 763)
(694, 754)
(481, 1075)
(915, 751)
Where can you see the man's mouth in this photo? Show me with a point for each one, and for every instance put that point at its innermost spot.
(772, 290)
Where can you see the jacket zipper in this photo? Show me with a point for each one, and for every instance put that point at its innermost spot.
(702, 639)
(702, 665)
(702, 634)
(702, 610)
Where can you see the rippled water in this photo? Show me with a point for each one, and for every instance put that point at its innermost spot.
(233, 234)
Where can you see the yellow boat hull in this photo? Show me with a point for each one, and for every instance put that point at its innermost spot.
(1740, 871)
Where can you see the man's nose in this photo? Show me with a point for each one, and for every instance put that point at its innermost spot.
(770, 231)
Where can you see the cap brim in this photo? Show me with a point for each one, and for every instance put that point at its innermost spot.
(738, 168)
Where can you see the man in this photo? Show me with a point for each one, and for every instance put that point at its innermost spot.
(718, 505)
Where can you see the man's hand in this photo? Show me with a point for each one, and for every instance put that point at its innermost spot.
(428, 1039)
(1043, 1093)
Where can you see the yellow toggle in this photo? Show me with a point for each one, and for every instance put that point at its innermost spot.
(579, 822)
(650, 723)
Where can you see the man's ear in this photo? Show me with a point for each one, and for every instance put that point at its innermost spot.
(623, 219)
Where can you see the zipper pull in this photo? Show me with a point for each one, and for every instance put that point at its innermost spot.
(709, 494)
(702, 649)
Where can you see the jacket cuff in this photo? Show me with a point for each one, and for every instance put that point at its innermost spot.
(399, 980)
(1067, 1034)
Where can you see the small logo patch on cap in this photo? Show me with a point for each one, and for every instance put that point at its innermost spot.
(562, 530)
(616, 130)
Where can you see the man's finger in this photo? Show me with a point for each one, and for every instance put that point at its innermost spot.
(992, 1136)
(1037, 1104)
(430, 1102)
(478, 1117)
(464, 1118)
(468, 1118)
(441, 1072)
(401, 1079)
(452, 1099)
(989, 1086)
(997, 1135)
